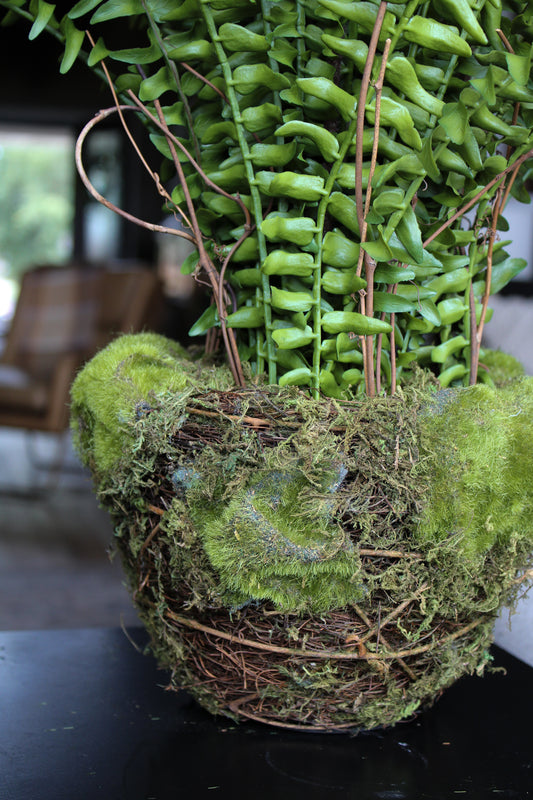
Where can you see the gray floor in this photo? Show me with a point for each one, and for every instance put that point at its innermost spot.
(55, 571)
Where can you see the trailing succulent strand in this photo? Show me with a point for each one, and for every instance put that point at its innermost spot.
(342, 167)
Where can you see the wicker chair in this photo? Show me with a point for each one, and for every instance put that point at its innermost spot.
(63, 315)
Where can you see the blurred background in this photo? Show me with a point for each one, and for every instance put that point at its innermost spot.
(73, 258)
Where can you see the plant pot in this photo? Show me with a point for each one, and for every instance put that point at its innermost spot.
(318, 566)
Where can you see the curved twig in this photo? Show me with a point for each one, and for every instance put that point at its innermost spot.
(160, 188)
(228, 335)
(101, 199)
(334, 655)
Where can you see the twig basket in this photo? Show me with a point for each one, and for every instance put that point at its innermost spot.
(365, 626)
(345, 672)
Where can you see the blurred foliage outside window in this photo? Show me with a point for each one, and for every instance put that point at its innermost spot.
(36, 204)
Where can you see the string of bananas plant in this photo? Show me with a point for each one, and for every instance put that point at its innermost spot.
(341, 169)
(340, 166)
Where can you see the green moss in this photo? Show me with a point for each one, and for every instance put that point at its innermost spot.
(121, 384)
(500, 368)
(478, 456)
(283, 520)
(276, 540)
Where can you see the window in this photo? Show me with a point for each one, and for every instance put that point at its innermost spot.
(37, 187)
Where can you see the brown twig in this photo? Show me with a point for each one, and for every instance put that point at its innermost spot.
(176, 142)
(391, 289)
(363, 93)
(106, 112)
(395, 612)
(490, 250)
(255, 422)
(334, 655)
(406, 668)
(474, 344)
(370, 264)
(171, 66)
(505, 40)
(462, 211)
(393, 353)
(204, 79)
(206, 263)
(119, 109)
(510, 49)
(527, 576)
(286, 725)
(149, 538)
(227, 334)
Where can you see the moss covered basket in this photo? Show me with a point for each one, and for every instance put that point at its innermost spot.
(320, 566)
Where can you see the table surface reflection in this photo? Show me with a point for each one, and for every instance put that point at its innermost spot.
(84, 715)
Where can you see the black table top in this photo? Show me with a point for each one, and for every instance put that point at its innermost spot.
(83, 715)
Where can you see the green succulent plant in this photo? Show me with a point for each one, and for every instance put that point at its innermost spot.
(340, 166)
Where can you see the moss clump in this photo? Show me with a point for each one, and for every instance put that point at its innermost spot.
(392, 529)
(121, 384)
(500, 368)
(277, 540)
(280, 512)
(479, 461)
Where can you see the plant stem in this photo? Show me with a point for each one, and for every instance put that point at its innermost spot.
(207, 180)
(216, 279)
(462, 211)
(361, 103)
(174, 72)
(256, 197)
(97, 196)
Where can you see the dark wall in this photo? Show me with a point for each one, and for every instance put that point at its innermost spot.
(32, 88)
(33, 92)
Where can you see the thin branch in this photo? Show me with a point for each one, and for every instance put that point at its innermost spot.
(339, 655)
(205, 261)
(370, 264)
(227, 334)
(160, 188)
(474, 343)
(375, 141)
(365, 84)
(488, 275)
(97, 196)
(462, 211)
(204, 79)
(505, 40)
(171, 65)
(394, 613)
(499, 204)
(510, 49)
(391, 289)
